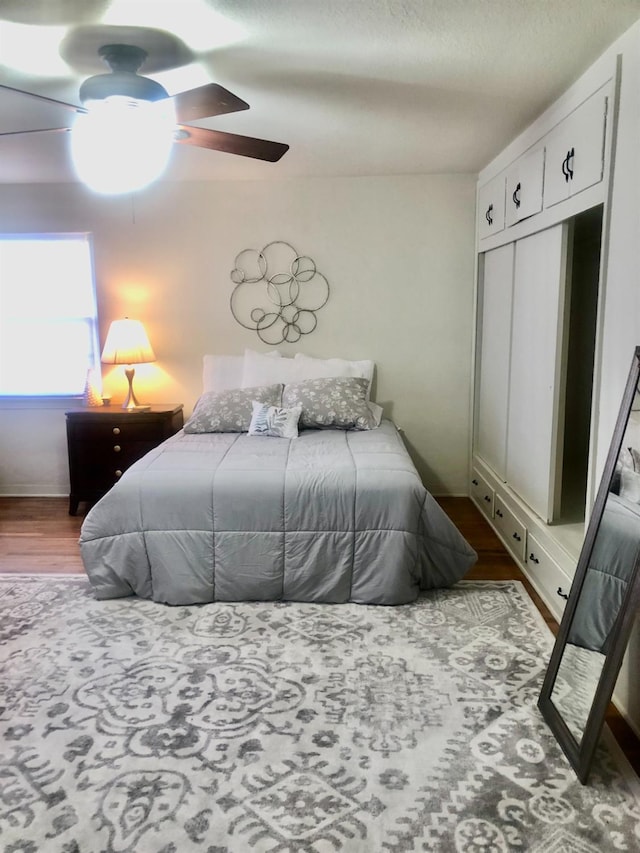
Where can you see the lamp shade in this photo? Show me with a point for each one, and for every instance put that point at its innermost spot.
(127, 343)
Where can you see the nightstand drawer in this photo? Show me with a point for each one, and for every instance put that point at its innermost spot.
(510, 527)
(482, 493)
(119, 431)
(91, 458)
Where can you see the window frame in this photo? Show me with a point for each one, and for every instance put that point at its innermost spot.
(48, 400)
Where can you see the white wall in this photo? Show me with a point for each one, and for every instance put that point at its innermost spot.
(398, 253)
(621, 315)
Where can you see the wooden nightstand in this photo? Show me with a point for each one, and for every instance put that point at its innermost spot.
(104, 442)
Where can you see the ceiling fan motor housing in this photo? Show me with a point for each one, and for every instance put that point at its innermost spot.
(124, 61)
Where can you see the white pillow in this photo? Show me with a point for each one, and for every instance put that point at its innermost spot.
(260, 367)
(630, 485)
(224, 372)
(260, 370)
(376, 410)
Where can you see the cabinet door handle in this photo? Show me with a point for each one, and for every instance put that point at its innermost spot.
(567, 170)
(533, 558)
(516, 195)
(475, 482)
(499, 513)
(118, 473)
(562, 594)
(488, 215)
(116, 430)
(517, 537)
(487, 499)
(116, 448)
(570, 157)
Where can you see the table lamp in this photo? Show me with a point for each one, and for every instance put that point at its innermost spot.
(127, 343)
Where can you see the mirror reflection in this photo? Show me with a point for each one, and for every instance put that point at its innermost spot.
(608, 572)
(604, 597)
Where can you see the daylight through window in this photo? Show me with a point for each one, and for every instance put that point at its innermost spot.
(48, 316)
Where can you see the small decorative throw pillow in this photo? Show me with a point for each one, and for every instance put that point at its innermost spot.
(339, 402)
(273, 420)
(230, 411)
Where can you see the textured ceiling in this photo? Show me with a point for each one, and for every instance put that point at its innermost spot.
(355, 87)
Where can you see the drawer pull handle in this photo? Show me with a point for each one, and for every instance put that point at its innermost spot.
(116, 430)
(499, 513)
(562, 594)
(518, 538)
(567, 170)
(487, 499)
(116, 448)
(475, 482)
(533, 558)
(118, 473)
(516, 195)
(488, 215)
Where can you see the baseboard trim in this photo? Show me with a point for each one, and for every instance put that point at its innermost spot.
(31, 492)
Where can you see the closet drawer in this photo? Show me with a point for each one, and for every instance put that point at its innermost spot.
(553, 584)
(575, 151)
(513, 530)
(491, 207)
(524, 186)
(482, 493)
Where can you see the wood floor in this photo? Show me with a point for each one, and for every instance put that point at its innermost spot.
(38, 535)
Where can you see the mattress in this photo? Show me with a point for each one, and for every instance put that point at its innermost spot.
(331, 516)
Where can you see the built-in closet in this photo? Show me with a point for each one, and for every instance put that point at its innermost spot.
(540, 238)
(557, 323)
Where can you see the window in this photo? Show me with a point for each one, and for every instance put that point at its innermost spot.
(48, 316)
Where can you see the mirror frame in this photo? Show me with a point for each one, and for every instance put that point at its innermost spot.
(580, 754)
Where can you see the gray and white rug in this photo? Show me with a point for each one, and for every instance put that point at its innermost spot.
(131, 727)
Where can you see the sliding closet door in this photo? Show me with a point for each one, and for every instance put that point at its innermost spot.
(494, 342)
(535, 392)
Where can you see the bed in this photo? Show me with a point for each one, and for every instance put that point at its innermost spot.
(332, 514)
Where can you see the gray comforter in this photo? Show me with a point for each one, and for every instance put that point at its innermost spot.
(331, 516)
(612, 561)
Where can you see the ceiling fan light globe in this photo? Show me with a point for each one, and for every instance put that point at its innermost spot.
(121, 146)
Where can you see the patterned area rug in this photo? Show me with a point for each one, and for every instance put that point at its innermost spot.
(132, 727)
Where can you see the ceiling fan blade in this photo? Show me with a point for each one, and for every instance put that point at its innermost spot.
(44, 98)
(231, 143)
(39, 130)
(205, 102)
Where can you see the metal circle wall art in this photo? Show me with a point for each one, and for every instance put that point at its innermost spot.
(277, 292)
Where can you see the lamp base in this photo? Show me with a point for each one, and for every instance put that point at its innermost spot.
(131, 404)
(136, 408)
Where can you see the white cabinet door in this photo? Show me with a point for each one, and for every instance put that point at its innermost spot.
(524, 186)
(491, 207)
(536, 353)
(575, 151)
(494, 340)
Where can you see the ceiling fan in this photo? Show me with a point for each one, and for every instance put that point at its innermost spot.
(206, 101)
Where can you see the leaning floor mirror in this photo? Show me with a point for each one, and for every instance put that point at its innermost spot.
(604, 597)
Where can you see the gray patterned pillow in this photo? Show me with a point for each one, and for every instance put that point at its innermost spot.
(340, 402)
(230, 411)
